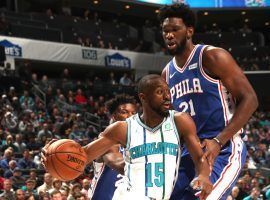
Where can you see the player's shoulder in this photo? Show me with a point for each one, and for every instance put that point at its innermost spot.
(211, 52)
(179, 116)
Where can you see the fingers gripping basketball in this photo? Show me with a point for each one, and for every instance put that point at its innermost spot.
(66, 159)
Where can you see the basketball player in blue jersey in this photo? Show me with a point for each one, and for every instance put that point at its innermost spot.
(152, 146)
(111, 163)
(206, 82)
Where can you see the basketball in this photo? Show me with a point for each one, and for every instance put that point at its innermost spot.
(66, 159)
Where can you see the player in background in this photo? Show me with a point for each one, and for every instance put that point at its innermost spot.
(152, 146)
(111, 163)
(206, 82)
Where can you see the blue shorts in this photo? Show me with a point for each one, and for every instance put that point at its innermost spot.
(226, 169)
(105, 186)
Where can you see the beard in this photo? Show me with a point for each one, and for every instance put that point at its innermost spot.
(179, 48)
(160, 111)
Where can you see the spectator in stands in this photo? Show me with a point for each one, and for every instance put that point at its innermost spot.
(34, 79)
(64, 194)
(254, 195)
(20, 195)
(44, 83)
(261, 179)
(242, 184)
(44, 133)
(125, 80)
(8, 71)
(4, 162)
(2, 179)
(28, 133)
(76, 134)
(49, 13)
(10, 121)
(75, 189)
(19, 143)
(88, 42)
(47, 185)
(26, 101)
(33, 175)
(79, 196)
(234, 194)
(9, 143)
(80, 41)
(101, 44)
(65, 74)
(80, 98)
(23, 123)
(80, 122)
(29, 188)
(56, 195)
(17, 179)
(8, 193)
(11, 93)
(57, 184)
(34, 121)
(112, 80)
(9, 172)
(26, 162)
(65, 126)
(66, 10)
(85, 187)
(254, 183)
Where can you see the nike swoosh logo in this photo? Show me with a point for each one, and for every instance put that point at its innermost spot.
(171, 75)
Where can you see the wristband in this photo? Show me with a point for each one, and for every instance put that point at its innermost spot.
(218, 142)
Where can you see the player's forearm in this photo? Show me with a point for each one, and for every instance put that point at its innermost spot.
(202, 168)
(243, 112)
(97, 148)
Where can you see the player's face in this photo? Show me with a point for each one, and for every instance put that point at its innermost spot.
(175, 34)
(159, 98)
(124, 111)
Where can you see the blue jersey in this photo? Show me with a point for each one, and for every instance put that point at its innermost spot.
(206, 99)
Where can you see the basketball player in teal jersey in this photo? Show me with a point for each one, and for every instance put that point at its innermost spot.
(152, 146)
(111, 164)
(206, 82)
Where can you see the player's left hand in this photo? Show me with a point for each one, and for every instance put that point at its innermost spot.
(203, 184)
(43, 152)
(212, 149)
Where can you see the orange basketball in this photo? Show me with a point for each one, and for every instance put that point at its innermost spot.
(66, 159)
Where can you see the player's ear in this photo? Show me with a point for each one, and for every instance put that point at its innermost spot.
(141, 97)
(113, 117)
(190, 32)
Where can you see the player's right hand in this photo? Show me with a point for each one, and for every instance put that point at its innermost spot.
(203, 184)
(43, 153)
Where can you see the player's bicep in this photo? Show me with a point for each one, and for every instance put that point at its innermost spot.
(113, 134)
(219, 64)
(187, 129)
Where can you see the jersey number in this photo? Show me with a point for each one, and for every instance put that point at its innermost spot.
(159, 175)
(184, 106)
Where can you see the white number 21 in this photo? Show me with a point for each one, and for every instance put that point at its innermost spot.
(184, 106)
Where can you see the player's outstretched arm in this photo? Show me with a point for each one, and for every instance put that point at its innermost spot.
(187, 130)
(219, 64)
(112, 135)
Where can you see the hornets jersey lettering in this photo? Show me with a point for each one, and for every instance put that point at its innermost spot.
(206, 99)
(152, 157)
